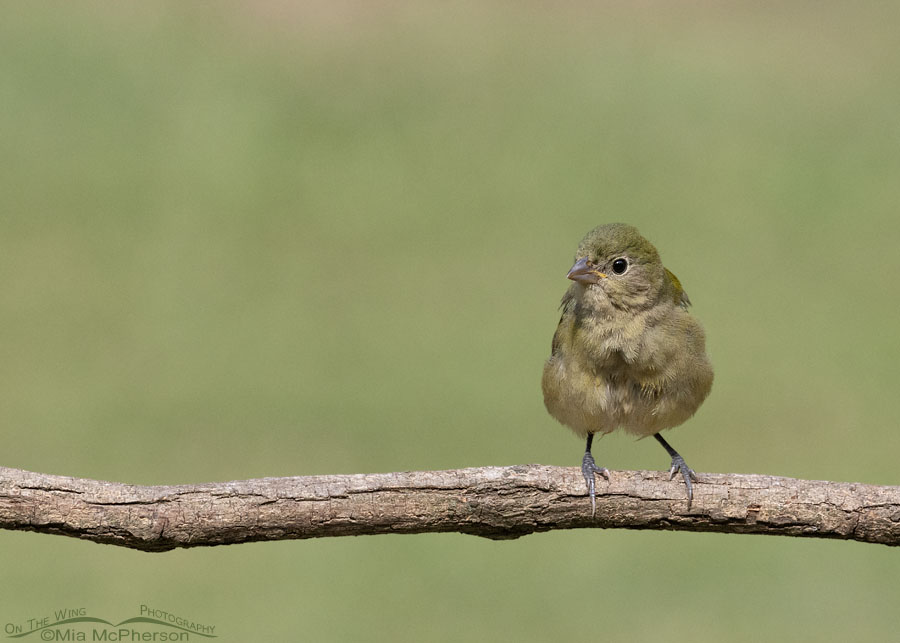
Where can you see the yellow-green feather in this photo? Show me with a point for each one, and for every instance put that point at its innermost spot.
(681, 297)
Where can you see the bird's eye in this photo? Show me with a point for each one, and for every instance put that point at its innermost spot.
(619, 266)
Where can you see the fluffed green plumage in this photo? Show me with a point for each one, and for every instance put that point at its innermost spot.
(626, 354)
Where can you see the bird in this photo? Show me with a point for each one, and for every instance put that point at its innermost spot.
(627, 354)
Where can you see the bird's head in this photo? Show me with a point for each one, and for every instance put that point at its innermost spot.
(615, 267)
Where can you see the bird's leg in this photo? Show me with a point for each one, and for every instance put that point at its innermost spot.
(588, 469)
(679, 466)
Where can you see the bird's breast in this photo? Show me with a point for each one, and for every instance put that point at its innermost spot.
(600, 382)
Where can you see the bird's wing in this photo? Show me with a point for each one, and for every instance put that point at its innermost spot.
(681, 297)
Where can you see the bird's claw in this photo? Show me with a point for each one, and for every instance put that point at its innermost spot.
(680, 466)
(588, 469)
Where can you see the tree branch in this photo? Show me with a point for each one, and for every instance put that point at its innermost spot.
(493, 502)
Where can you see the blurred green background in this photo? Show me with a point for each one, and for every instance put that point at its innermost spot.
(262, 239)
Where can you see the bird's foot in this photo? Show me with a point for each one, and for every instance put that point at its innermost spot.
(680, 466)
(589, 468)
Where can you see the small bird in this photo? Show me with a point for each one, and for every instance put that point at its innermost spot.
(627, 354)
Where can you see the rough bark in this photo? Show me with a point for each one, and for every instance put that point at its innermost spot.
(493, 502)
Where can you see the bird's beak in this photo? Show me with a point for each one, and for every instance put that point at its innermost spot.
(584, 272)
